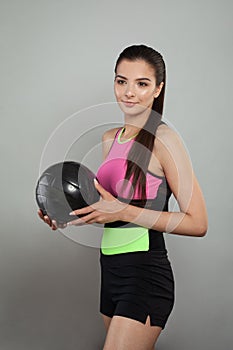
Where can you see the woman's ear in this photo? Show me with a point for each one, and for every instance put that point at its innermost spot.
(158, 89)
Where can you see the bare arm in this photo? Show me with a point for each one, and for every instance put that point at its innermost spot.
(192, 218)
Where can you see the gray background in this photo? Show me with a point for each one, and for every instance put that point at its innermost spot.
(57, 58)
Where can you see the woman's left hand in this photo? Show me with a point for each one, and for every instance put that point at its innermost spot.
(107, 209)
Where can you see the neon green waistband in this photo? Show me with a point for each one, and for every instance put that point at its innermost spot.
(124, 240)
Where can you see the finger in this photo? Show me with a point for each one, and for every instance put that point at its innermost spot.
(84, 210)
(84, 220)
(77, 222)
(47, 220)
(40, 214)
(93, 221)
(53, 225)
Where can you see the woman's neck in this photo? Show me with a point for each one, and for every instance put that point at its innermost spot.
(130, 131)
(134, 123)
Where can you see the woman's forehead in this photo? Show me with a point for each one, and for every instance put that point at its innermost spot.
(130, 68)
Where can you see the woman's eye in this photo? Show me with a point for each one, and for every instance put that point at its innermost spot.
(142, 83)
(120, 81)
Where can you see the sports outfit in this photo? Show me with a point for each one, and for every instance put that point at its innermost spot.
(136, 274)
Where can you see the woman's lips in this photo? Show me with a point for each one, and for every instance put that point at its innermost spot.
(129, 103)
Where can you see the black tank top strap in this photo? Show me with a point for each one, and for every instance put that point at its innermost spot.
(161, 122)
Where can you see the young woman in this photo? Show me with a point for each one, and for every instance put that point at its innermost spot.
(144, 163)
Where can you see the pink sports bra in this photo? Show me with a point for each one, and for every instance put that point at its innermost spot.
(111, 173)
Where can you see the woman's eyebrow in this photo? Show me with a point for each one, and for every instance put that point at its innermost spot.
(121, 76)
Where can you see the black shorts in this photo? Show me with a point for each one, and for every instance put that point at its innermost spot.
(136, 285)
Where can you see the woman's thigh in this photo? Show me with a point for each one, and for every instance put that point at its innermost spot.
(128, 334)
(107, 321)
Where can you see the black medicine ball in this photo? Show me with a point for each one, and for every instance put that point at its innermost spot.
(64, 187)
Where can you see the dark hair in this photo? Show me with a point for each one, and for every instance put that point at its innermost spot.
(141, 150)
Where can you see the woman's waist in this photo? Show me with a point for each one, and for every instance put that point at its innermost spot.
(131, 237)
(124, 225)
(149, 257)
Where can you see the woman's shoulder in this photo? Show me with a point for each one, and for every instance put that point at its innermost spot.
(170, 149)
(168, 143)
(166, 136)
(110, 134)
(108, 139)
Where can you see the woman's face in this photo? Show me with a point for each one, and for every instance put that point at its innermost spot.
(135, 86)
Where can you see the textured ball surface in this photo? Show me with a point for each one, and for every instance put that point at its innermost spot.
(64, 187)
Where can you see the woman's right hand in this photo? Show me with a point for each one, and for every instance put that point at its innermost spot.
(52, 223)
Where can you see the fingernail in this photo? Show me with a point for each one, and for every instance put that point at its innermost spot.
(71, 213)
(95, 181)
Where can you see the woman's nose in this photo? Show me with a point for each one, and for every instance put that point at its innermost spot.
(129, 92)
